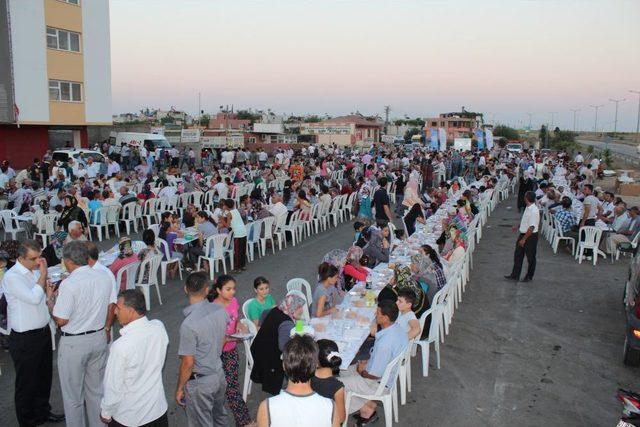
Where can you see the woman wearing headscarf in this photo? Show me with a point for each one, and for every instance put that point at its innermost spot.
(376, 249)
(125, 257)
(353, 271)
(428, 271)
(364, 200)
(267, 346)
(71, 212)
(411, 196)
(403, 279)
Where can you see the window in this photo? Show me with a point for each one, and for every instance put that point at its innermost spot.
(65, 91)
(63, 40)
(70, 1)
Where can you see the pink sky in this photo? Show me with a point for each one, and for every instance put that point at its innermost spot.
(420, 57)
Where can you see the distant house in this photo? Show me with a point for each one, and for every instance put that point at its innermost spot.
(229, 121)
(351, 130)
(457, 125)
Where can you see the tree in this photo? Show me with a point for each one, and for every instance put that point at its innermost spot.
(506, 132)
(312, 119)
(248, 115)
(543, 135)
(204, 120)
(409, 133)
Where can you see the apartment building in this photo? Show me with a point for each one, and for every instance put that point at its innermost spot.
(55, 75)
(351, 130)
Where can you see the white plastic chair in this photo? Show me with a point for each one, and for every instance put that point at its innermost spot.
(164, 248)
(268, 235)
(152, 265)
(248, 359)
(129, 217)
(278, 230)
(292, 227)
(214, 252)
(47, 226)
(99, 222)
(229, 250)
(387, 396)
(10, 223)
(245, 308)
(559, 237)
(131, 271)
(253, 237)
(298, 284)
(589, 238)
(433, 338)
(156, 229)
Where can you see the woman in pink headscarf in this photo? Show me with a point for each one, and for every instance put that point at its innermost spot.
(411, 196)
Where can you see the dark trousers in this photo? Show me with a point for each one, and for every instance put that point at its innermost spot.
(159, 422)
(239, 252)
(529, 249)
(32, 354)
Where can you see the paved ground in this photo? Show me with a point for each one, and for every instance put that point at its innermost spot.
(618, 148)
(543, 353)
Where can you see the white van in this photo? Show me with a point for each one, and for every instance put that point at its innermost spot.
(137, 139)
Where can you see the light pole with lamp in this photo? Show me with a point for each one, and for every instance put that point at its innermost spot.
(637, 92)
(595, 123)
(574, 118)
(615, 121)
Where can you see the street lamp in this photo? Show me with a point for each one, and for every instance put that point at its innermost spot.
(638, 122)
(553, 115)
(595, 124)
(574, 118)
(615, 121)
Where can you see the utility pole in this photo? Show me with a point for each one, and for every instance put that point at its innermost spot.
(553, 116)
(615, 121)
(199, 109)
(595, 123)
(637, 92)
(387, 109)
(530, 115)
(574, 118)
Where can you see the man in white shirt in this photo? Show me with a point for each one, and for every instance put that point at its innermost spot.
(94, 263)
(24, 287)
(277, 208)
(133, 389)
(527, 240)
(93, 168)
(112, 167)
(227, 157)
(221, 188)
(81, 311)
(579, 159)
(591, 206)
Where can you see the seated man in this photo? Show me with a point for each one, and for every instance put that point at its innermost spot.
(126, 197)
(626, 234)
(53, 251)
(566, 218)
(365, 376)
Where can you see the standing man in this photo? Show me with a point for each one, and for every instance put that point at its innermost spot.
(201, 382)
(381, 203)
(527, 240)
(27, 294)
(81, 312)
(133, 390)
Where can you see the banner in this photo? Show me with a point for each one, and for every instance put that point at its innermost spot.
(190, 135)
(463, 144)
(434, 139)
(488, 133)
(442, 136)
(480, 138)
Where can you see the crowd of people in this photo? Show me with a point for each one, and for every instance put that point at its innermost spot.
(122, 384)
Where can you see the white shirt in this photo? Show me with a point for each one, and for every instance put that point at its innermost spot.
(93, 169)
(530, 218)
(26, 300)
(227, 157)
(133, 389)
(98, 266)
(591, 201)
(278, 209)
(222, 189)
(262, 156)
(168, 191)
(83, 298)
(404, 319)
(579, 158)
(288, 410)
(113, 168)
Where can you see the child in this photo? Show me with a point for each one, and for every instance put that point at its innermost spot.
(262, 302)
(358, 227)
(324, 382)
(406, 318)
(223, 294)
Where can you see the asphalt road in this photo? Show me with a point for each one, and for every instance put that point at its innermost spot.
(624, 149)
(544, 353)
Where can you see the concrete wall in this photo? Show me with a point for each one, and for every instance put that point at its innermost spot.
(28, 40)
(21, 145)
(6, 75)
(97, 61)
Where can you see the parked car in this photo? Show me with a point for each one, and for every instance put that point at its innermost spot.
(79, 155)
(631, 352)
(136, 139)
(514, 147)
